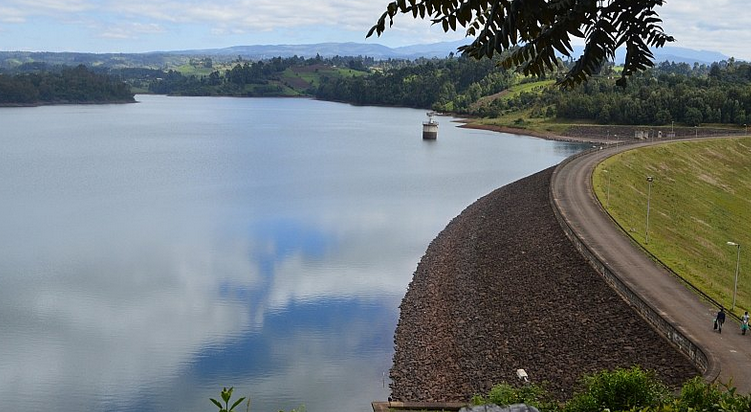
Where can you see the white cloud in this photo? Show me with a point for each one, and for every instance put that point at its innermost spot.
(104, 333)
(131, 30)
(718, 25)
(11, 15)
(721, 25)
(113, 321)
(251, 15)
(126, 19)
(50, 7)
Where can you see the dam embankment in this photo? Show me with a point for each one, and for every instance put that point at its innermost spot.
(502, 288)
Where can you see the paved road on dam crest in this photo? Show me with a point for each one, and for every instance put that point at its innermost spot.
(729, 353)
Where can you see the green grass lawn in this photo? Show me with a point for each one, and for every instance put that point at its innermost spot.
(198, 71)
(312, 74)
(700, 199)
(523, 120)
(531, 87)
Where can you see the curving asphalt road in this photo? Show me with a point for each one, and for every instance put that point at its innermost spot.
(729, 353)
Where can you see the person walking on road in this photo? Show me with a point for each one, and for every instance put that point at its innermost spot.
(720, 319)
(744, 323)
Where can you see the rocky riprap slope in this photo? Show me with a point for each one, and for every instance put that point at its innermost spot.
(502, 288)
(626, 133)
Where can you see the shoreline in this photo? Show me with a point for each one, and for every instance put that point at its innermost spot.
(41, 104)
(609, 134)
(467, 124)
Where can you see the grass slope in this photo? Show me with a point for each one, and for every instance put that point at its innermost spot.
(302, 78)
(529, 87)
(514, 91)
(700, 199)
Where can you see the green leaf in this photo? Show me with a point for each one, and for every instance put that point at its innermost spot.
(239, 401)
(226, 394)
(216, 402)
(499, 25)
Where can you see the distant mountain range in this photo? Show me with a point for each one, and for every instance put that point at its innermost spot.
(376, 51)
(677, 55)
(380, 52)
(163, 59)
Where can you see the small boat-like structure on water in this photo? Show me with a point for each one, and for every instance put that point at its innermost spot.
(430, 128)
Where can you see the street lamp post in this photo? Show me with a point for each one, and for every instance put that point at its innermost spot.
(737, 269)
(649, 196)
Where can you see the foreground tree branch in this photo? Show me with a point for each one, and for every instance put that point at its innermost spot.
(534, 30)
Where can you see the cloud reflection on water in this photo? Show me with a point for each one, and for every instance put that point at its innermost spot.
(147, 260)
(126, 308)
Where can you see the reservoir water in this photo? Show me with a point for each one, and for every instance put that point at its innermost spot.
(152, 253)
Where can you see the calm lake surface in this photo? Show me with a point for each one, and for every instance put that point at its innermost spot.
(152, 253)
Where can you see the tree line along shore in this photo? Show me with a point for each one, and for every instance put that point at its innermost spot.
(76, 85)
(668, 95)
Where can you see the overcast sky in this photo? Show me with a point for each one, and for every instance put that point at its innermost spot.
(152, 25)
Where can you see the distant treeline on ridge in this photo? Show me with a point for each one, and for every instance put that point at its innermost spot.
(668, 93)
(67, 85)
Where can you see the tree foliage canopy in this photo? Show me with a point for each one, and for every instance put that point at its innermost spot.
(540, 28)
(68, 85)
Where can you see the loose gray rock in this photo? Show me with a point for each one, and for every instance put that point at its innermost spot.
(518, 407)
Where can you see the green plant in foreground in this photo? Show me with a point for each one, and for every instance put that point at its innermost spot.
(226, 395)
(626, 390)
(619, 390)
(505, 394)
(697, 395)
